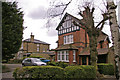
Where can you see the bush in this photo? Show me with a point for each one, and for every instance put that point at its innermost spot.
(33, 56)
(15, 61)
(106, 69)
(60, 64)
(81, 72)
(50, 72)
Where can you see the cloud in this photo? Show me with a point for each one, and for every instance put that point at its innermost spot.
(52, 32)
(38, 13)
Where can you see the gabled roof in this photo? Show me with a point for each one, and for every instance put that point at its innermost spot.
(66, 14)
(103, 37)
(35, 41)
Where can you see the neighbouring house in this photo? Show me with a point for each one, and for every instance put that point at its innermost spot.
(73, 44)
(33, 46)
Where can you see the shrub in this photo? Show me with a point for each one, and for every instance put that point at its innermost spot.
(60, 64)
(50, 72)
(34, 56)
(106, 69)
(80, 72)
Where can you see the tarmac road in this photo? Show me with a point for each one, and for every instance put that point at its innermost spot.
(8, 75)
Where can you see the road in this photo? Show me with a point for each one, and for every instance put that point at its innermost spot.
(8, 75)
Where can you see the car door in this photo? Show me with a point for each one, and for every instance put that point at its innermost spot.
(28, 62)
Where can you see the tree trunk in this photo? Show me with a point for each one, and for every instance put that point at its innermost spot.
(115, 33)
(93, 50)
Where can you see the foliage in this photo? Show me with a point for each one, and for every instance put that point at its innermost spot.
(50, 72)
(12, 29)
(33, 56)
(61, 64)
(81, 72)
(15, 61)
(106, 69)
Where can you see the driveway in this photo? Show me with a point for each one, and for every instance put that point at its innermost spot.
(8, 75)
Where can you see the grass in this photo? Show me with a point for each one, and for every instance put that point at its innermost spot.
(5, 69)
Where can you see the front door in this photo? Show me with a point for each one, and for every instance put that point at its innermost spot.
(84, 60)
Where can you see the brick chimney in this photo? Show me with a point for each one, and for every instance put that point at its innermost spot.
(32, 38)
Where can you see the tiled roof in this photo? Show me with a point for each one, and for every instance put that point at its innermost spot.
(100, 51)
(67, 47)
(35, 41)
(103, 37)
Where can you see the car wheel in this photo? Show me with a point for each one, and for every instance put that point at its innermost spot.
(23, 65)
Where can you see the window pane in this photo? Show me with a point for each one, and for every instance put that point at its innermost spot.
(67, 55)
(74, 54)
(62, 55)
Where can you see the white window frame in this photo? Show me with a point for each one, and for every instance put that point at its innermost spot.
(68, 39)
(74, 56)
(38, 49)
(61, 55)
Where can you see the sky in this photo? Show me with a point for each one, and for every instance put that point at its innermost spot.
(36, 16)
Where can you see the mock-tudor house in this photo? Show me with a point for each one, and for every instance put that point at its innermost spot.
(32, 46)
(73, 43)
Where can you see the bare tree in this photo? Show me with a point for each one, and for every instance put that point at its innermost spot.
(115, 34)
(93, 31)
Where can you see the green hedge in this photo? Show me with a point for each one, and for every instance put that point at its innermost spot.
(50, 72)
(55, 72)
(60, 64)
(81, 72)
(106, 69)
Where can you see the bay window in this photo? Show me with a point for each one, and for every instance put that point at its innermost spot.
(63, 56)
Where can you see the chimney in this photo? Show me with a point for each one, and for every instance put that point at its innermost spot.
(32, 38)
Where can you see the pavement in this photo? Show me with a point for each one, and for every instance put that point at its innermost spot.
(8, 75)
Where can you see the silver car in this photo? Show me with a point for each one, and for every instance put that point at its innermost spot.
(32, 62)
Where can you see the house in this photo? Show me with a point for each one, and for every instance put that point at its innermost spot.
(73, 43)
(33, 46)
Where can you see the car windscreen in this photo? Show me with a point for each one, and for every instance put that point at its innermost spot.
(36, 60)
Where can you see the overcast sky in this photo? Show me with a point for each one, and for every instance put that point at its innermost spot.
(36, 17)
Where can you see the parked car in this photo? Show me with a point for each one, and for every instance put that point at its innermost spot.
(33, 62)
(44, 60)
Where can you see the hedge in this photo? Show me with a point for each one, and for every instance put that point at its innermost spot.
(60, 64)
(81, 72)
(50, 72)
(106, 69)
(55, 72)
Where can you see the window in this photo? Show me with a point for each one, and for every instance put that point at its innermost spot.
(58, 55)
(67, 56)
(38, 45)
(101, 44)
(63, 56)
(74, 55)
(68, 39)
(38, 49)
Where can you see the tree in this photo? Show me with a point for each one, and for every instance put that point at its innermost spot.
(93, 31)
(115, 34)
(12, 29)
